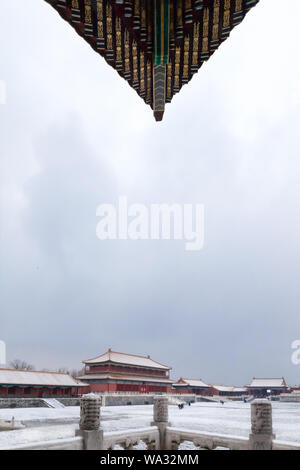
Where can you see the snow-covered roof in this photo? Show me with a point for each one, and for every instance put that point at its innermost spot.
(271, 383)
(130, 359)
(223, 388)
(227, 388)
(25, 377)
(191, 383)
(136, 378)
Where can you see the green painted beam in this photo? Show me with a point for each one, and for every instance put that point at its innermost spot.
(161, 30)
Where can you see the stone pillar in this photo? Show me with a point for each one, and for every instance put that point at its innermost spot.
(89, 426)
(161, 417)
(261, 436)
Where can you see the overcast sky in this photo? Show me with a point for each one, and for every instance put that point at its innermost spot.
(74, 135)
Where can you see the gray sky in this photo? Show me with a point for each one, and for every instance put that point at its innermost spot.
(75, 135)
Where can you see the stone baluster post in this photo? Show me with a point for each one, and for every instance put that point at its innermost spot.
(261, 436)
(89, 426)
(161, 417)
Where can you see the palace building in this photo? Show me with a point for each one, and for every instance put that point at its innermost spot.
(198, 387)
(263, 387)
(119, 372)
(38, 384)
(156, 45)
(228, 391)
(193, 386)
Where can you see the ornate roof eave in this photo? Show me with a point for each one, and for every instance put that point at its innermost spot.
(157, 45)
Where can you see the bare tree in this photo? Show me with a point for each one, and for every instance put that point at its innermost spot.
(63, 370)
(76, 373)
(19, 364)
(73, 372)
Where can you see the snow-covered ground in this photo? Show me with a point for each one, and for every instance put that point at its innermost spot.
(231, 418)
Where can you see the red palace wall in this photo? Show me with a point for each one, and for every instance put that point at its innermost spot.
(181, 390)
(101, 388)
(35, 392)
(111, 388)
(261, 393)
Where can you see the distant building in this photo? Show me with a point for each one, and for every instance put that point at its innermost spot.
(37, 384)
(228, 391)
(198, 387)
(193, 386)
(263, 387)
(119, 372)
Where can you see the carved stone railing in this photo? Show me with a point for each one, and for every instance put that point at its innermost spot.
(131, 438)
(89, 425)
(280, 445)
(161, 435)
(204, 440)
